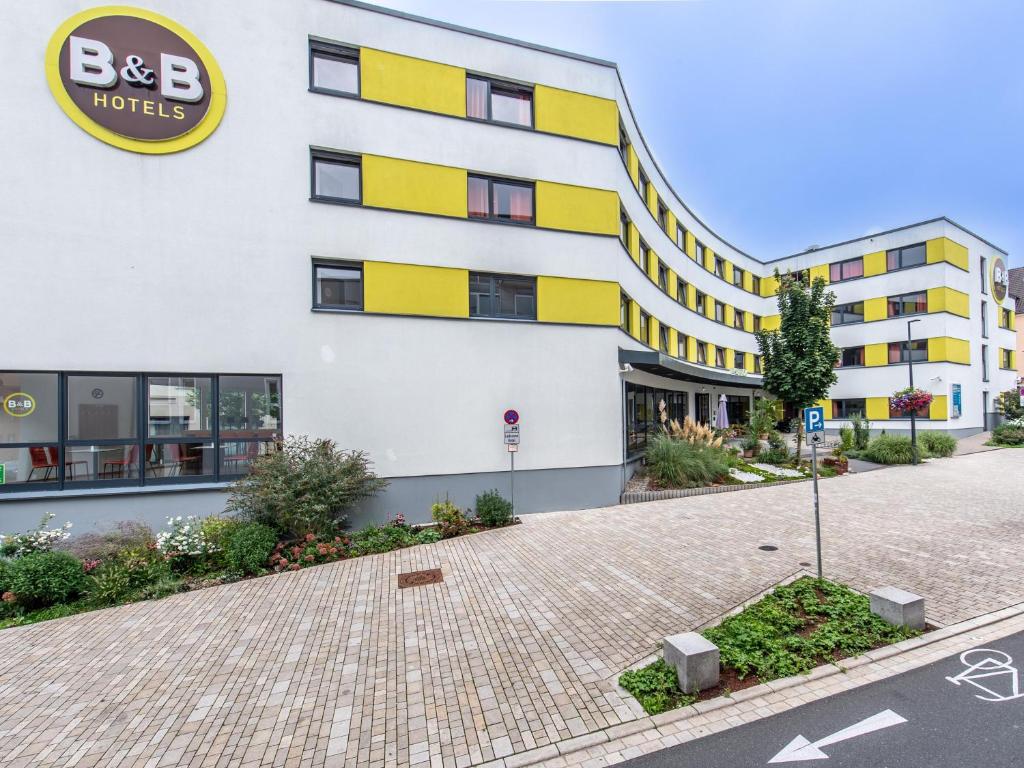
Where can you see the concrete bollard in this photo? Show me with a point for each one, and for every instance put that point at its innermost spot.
(899, 607)
(695, 659)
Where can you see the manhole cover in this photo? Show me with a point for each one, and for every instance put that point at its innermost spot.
(768, 548)
(419, 578)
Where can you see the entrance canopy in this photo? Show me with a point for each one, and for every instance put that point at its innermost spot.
(673, 368)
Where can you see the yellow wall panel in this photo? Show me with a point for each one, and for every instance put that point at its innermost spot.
(652, 266)
(769, 285)
(577, 209)
(939, 409)
(876, 354)
(691, 245)
(634, 242)
(874, 263)
(709, 259)
(875, 309)
(748, 322)
(409, 82)
(709, 307)
(633, 165)
(945, 348)
(728, 272)
(748, 281)
(770, 322)
(944, 249)
(673, 284)
(407, 185)
(580, 115)
(730, 358)
(571, 300)
(670, 226)
(634, 319)
(820, 270)
(673, 342)
(748, 361)
(877, 408)
(411, 289)
(653, 329)
(691, 349)
(710, 351)
(730, 315)
(948, 300)
(691, 296)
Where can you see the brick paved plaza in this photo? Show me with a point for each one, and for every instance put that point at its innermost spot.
(518, 648)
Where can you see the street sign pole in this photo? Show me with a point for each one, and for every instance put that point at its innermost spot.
(512, 481)
(511, 419)
(817, 515)
(814, 425)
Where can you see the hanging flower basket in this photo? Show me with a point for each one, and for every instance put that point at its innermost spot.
(910, 400)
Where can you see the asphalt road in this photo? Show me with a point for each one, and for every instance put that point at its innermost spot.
(919, 719)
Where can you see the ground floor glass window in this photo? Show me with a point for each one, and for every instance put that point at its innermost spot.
(643, 415)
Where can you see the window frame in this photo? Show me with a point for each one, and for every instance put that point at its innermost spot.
(336, 52)
(681, 290)
(329, 264)
(662, 216)
(900, 265)
(624, 145)
(680, 237)
(842, 352)
(702, 352)
(840, 265)
(900, 299)
(843, 406)
(491, 180)
(719, 267)
(624, 222)
(841, 309)
(334, 158)
(493, 294)
(720, 312)
(739, 360)
(503, 85)
(719, 356)
(737, 277)
(625, 316)
(906, 353)
(755, 284)
(739, 317)
(662, 276)
(643, 185)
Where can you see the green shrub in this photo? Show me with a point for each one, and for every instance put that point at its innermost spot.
(936, 443)
(374, 539)
(861, 431)
(305, 487)
(765, 417)
(40, 579)
(428, 536)
(127, 534)
(777, 452)
(890, 449)
(1010, 434)
(128, 576)
(846, 441)
(493, 510)
(5, 575)
(449, 518)
(751, 443)
(656, 687)
(680, 464)
(247, 547)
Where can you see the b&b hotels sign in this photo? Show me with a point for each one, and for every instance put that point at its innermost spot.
(135, 79)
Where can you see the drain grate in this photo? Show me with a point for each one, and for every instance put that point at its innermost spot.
(420, 578)
(768, 548)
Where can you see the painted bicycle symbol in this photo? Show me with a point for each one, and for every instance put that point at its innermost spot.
(995, 668)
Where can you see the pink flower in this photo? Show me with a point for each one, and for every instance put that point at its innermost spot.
(9, 597)
(294, 567)
(310, 537)
(309, 558)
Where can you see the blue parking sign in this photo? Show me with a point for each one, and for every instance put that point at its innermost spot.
(814, 419)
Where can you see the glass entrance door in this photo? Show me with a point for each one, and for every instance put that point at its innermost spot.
(703, 405)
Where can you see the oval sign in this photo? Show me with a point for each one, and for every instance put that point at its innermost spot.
(136, 80)
(511, 416)
(1000, 279)
(19, 404)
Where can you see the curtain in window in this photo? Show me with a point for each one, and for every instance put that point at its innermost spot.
(476, 98)
(520, 203)
(478, 197)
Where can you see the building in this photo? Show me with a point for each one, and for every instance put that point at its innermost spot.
(332, 219)
(1017, 295)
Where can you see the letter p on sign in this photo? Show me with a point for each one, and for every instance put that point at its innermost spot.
(814, 419)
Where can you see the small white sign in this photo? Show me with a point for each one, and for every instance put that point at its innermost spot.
(512, 448)
(511, 434)
(815, 438)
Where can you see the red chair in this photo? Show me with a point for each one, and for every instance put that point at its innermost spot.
(116, 467)
(179, 459)
(252, 451)
(40, 461)
(69, 464)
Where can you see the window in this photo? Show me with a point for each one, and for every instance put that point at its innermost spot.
(843, 314)
(663, 339)
(719, 267)
(644, 185)
(500, 200)
(624, 312)
(851, 357)
(680, 237)
(662, 276)
(701, 302)
(737, 276)
(984, 281)
(336, 178)
(719, 312)
(755, 285)
(1006, 358)
(643, 416)
(738, 319)
(702, 353)
(739, 360)
(1005, 318)
(623, 144)
(499, 102)
(906, 257)
(624, 229)
(133, 429)
(737, 408)
(846, 270)
(848, 407)
(984, 362)
(908, 304)
(699, 252)
(984, 319)
(333, 68)
(337, 286)
(681, 290)
(645, 258)
(719, 357)
(803, 275)
(757, 363)
(645, 322)
(757, 323)
(899, 352)
(681, 344)
(662, 216)
(509, 297)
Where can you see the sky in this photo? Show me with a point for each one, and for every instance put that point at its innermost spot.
(790, 123)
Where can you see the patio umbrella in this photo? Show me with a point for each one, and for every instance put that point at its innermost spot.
(722, 417)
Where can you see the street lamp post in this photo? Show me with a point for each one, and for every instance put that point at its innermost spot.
(910, 371)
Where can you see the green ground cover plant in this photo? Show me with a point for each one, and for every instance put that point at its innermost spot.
(797, 627)
(937, 444)
(891, 449)
(1009, 434)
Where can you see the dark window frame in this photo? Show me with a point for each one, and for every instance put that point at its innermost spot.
(681, 290)
(334, 158)
(719, 267)
(491, 180)
(494, 277)
(510, 87)
(841, 362)
(845, 309)
(840, 265)
(900, 299)
(916, 350)
(662, 216)
(662, 276)
(900, 254)
(336, 52)
(842, 408)
(738, 319)
(755, 285)
(680, 237)
(737, 276)
(719, 311)
(329, 264)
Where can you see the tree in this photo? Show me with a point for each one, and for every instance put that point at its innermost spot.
(799, 358)
(1008, 404)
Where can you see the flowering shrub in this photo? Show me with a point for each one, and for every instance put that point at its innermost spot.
(310, 550)
(449, 518)
(186, 544)
(41, 539)
(910, 399)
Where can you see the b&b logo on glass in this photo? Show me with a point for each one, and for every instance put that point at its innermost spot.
(1000, 279)
(136, 80)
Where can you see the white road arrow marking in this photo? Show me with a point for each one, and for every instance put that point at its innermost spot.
(802, 749)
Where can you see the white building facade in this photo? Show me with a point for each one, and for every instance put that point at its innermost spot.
(388, 231)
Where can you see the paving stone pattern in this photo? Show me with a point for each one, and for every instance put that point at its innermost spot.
(518, 647)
